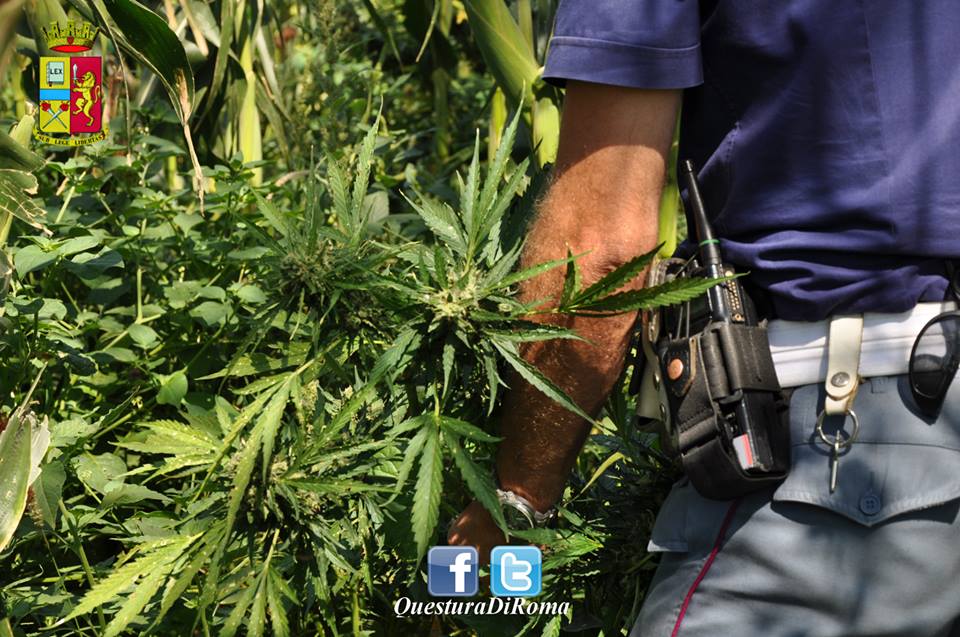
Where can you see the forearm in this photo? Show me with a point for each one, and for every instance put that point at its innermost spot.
(541, 439)
(603, 202)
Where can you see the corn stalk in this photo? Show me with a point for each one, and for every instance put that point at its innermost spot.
(40, 13)
(248, 124)
(510, 58)
(9, 13)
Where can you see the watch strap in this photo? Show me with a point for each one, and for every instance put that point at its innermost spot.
(535, 518)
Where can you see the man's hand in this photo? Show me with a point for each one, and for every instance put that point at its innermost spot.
(604, 201)
(476, 527)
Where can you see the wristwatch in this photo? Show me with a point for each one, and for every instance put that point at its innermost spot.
(518, 511)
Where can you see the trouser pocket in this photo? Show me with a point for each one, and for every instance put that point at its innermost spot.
(899, 462)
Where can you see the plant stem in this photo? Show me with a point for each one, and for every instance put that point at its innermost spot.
(78, 548)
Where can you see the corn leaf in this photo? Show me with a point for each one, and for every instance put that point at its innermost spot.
(504, 49)
(546, 129)
(15, 200)
(384, 29)
(14, 476)
(223, 52)
(40, 13)
(9, 16)
(16, 156)
(670, 203)
(249, 133)
(146, 36)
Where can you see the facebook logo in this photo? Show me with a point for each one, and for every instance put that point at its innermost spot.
(515, 571)
(452, 571)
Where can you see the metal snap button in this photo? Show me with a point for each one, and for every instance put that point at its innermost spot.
(870, 504)
(840, 379)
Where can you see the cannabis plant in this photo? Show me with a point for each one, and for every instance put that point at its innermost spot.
(354, 415)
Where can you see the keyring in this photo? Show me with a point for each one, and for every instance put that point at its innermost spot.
(840, 444)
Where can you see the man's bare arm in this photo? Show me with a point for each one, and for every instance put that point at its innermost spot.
(604, 199)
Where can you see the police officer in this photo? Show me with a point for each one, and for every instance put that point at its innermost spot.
(827, 133)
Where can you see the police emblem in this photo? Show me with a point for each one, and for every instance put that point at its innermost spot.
(71, 88)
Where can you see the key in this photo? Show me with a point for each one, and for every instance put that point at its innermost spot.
(834, 463)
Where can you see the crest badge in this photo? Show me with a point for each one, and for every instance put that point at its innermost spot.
(71, 88)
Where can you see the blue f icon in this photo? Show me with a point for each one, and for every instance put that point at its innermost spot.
(452, 571)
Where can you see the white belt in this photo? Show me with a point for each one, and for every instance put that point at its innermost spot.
(800, 349)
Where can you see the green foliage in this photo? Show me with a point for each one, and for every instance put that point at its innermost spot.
(261, 417)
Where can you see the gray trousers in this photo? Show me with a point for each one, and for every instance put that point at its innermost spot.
(878, 557)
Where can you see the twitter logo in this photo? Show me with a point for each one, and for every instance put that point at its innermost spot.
(515, 571)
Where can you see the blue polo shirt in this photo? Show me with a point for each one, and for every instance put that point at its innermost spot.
(827, 132)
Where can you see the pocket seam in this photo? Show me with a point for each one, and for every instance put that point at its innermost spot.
(928, 501)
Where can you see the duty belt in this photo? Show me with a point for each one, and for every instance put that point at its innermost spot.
(800, 349)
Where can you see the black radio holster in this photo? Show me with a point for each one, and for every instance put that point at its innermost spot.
(717, 366)
(701, 378)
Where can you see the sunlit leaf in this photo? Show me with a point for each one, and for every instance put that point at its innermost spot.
(154, 557)
(669, 293)
(426, 500)
(536, 378)
(480, 483)
(14, 476)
